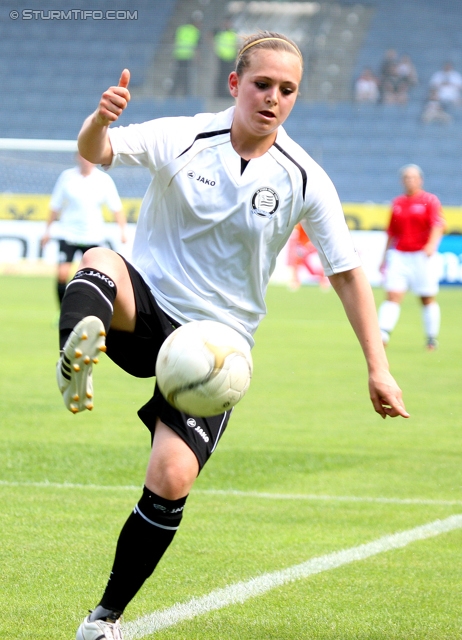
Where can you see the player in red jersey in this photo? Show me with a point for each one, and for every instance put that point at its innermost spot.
(414, 233)
(301, 252)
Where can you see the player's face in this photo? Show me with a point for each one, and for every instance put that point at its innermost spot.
(412, 181)
(266, 92)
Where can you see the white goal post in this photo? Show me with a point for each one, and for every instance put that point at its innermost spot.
(28, 144)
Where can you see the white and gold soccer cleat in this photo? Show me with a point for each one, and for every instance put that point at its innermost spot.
(75, 365)
(105, 629)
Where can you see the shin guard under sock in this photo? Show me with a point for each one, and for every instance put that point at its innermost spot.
(143, 541)
(90, 293)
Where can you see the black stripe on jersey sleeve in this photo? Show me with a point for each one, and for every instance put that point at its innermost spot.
(206, 134)
(302, 170)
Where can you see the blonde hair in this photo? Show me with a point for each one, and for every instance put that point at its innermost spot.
(264, 40)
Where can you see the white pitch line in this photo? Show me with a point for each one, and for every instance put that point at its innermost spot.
(308, 496)
(242, 591)
(237, 493)
(71, 485)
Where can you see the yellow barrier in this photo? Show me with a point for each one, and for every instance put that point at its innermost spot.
(375, 216)
(22, 206)
(360, 216)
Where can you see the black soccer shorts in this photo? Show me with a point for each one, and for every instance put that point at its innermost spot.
(136, 353)
(67, 250)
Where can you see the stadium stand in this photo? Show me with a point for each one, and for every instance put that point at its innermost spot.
(55, 69)
(59, 68)
(430, 33)
(363, 146)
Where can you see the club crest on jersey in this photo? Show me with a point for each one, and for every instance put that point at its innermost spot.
(265, 202)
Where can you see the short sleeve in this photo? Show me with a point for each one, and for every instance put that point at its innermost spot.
(436, 213)
(325, 224)
(151, 144)
(131, 145)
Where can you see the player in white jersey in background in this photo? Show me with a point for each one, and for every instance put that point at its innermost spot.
(76, 201)
(227, 190)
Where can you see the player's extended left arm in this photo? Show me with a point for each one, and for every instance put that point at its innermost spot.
(355, 292)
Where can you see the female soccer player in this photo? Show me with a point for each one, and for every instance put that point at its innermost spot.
(227, 190)
(414, 231)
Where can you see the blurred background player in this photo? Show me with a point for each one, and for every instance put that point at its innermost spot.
(185, 53)
(301, 253)
(226, 45)
(76, 201)
(414, 233)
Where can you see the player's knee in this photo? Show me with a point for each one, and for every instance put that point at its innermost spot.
(96, 257)
(107, 262)
(171, 480)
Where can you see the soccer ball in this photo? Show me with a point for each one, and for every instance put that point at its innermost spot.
(204, 368)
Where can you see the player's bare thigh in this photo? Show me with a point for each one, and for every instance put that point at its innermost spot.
(112, 265)
(173, 467)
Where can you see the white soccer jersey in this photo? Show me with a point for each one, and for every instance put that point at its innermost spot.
(79, 199)
(208, 234)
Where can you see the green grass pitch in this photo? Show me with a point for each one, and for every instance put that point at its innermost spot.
(306, 468)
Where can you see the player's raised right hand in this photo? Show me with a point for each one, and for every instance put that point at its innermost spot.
(114, 101)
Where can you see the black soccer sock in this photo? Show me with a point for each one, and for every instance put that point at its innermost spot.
(142, 542)
(61, 290)
(89, 293)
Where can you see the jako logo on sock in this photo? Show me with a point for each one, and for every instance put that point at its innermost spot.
(95, 274)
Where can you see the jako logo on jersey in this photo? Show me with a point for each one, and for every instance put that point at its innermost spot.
(191, 174)
(265, 202)
(211, 183)
(95, 274)
(191, 422)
